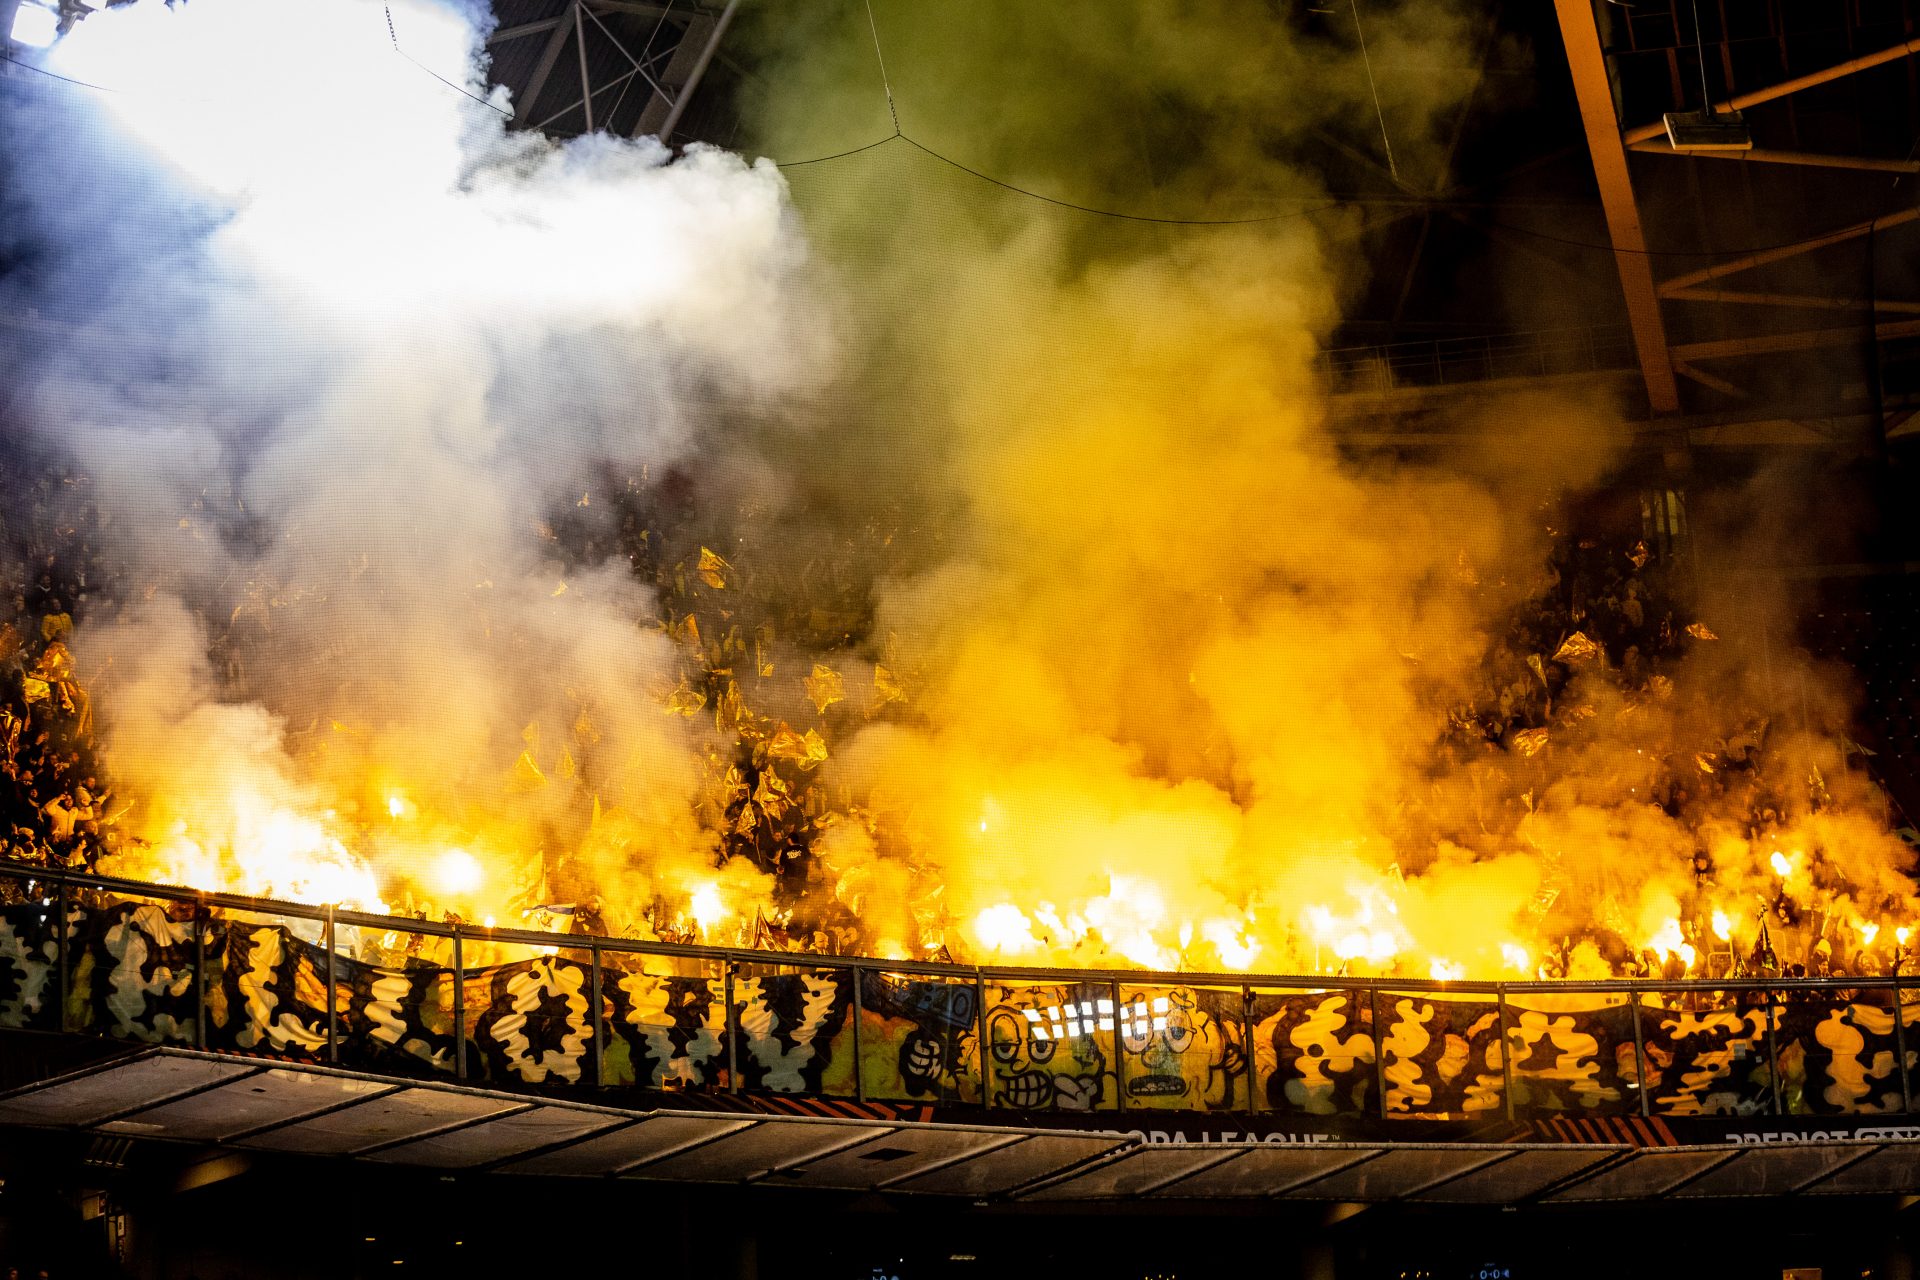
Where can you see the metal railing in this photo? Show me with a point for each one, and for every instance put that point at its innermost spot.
(1441, 362)
(1119, 1009)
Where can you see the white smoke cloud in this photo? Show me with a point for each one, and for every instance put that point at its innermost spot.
(343, 343)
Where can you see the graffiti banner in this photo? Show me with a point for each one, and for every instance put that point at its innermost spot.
(1181, 1049)
(1713, 1060)
(29, 952)
(1838, 1059)
(1268, 1065)
(1313, 1052)
(1569, 1055)
(1441, 1056)
(919, 1041)
(1052, 1047)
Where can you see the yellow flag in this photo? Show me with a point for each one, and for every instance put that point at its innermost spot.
(713, 569)
(824, 687)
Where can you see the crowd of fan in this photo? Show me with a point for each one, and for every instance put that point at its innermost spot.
(57, 810)
(53, 805)
(54, 809)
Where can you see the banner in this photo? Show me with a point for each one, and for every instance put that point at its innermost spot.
(1294, 1058)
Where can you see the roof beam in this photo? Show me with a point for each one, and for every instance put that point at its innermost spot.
(580, 44)
(1797, 301)
(505, 34)
(643, 10)
(544, 68)
(699, 71)
(1762, 344)
(1671, 287)
(1740, 102)
(1760, 155)
(1581, 36)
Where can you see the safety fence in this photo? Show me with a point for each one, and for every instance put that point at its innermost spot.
(526, 1010)
(1440, 362)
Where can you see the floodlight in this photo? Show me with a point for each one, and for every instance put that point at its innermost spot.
(35, 25)
(1088, 1016)
(1708, 131)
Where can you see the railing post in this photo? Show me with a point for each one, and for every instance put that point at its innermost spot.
(61, 992)
(1773, 1060)
(459, 1009)
(859, 1067)
(333, 997)
(200, 974)
(1506, 1049)
(1247, 1049)
(1379, 1051)
(1119, 1055)
(1640, 1064)
(1900, 1048)
(733, 1033)
(984, 1051)
(599, 1019)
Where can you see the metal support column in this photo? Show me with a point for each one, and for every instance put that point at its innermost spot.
(1900, 1048)
(62, 990)
(459, 1009)
(333, 995)
(1379, 1051)
(200, 975)
(599, 1019)
(733, 1033)
(1119, 1055)
(1640, 1065)
(859, 1067)
(1593, 89)
(984, 1048)
(1506, 1049)
(1773, 1060)
(1247, 1051)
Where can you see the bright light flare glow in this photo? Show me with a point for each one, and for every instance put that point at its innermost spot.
(1670, 942)
(458, 872)
(1782, 865)
(1005, 930)
(1230, 941)
(35, 25)
(455, 188)
(708, 909)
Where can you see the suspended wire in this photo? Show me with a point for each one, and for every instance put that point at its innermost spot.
(392, 36)
(838, 155)
(1114, 213)
(1367, 62)
(54, 75)
(881, 59)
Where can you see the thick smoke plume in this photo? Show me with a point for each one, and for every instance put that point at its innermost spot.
(502, 524)
(339, 347)
(1199, 685)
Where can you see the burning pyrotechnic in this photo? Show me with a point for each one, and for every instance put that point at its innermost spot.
(1124, 661)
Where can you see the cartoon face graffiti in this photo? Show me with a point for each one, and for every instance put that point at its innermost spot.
(1039, 1062)
(1174, 1048)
